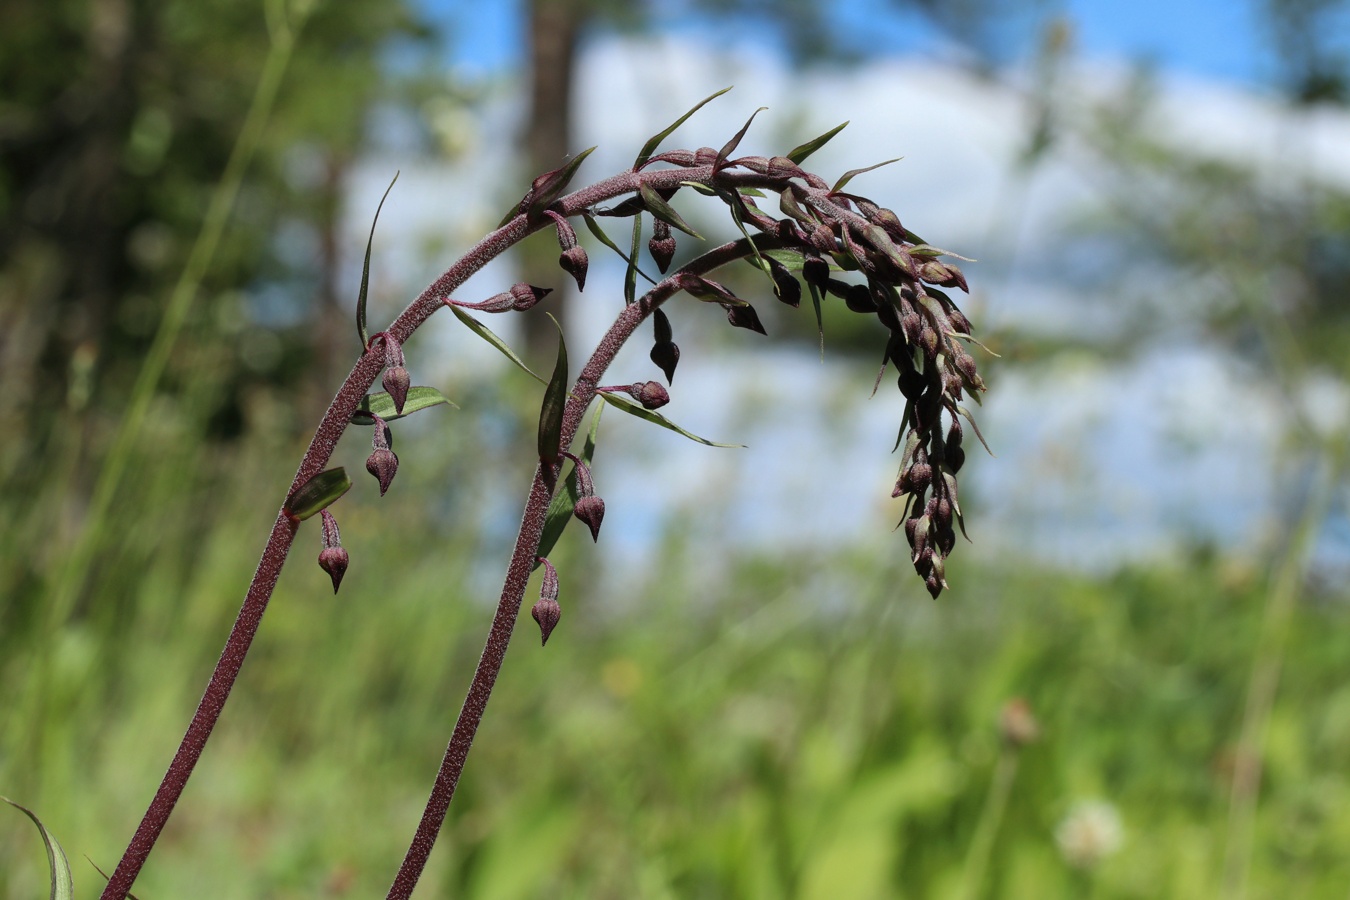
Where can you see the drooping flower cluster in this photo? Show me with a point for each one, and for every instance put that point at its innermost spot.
(844, 245)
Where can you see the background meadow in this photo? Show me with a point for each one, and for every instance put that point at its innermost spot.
(750, 695)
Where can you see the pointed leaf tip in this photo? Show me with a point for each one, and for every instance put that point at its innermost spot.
(555, 401)
(318, 493)
(361, 330)
(655, 140)
(799, 154)
(62, 881)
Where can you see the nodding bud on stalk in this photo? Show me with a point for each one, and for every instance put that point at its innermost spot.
(382, 462)
(589, 508)
(395, 380)
(547, 612)
(664, 353)
(651, 394)
(521, 297)
(789, 289)
(661, 245)
(745, 317)
(573, 259)
(332, 559)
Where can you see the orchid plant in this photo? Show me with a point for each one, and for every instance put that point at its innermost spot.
(821, 242)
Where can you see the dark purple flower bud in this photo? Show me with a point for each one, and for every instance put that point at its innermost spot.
(823, 239)
(651, 394)
(789, 290)
(816, 271)
(782, 167)
(574, 263)
(383, 464)
(547, 612)
(911, 526)
(934, 584)
(661, 245)
(859, 300)
(591, 510)
(705, 156)
(911, 383)
(960, 324)
(943, 274)
(666, 355)
(332, 559)
(928, 340)
(525, 295)
(745, 317)
(397, 382)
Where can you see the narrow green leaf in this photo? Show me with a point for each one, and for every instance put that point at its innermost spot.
(734, 204)
(605, 239)
(63, 883)
(486, 334)
(701, 188)
(820, 318)
(382, 405)
(550, 186)
(555, 400)
(318, 493)
(735, 141)
(971, 419)
(630, 274)
(636, 409)
(852, 173)
(805, 150)
(928, 250)
(649, 148)
(564, 501)
(361, 330)
(664, 211)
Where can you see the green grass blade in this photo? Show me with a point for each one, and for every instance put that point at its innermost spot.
(486, 334)
(636, 409)
(63, 883)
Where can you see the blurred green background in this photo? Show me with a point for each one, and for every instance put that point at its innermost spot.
(183, 193)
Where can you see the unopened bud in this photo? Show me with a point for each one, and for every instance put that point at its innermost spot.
(332, 559)
(574, 263)
(859, 299)
(816, 271)
(383, 464)
(397, 382)
(661, 245)
(591, 510)
(789, 290)
(651, 394)
(666, 355)
(546, 613)
(524, 296)
(745, 317)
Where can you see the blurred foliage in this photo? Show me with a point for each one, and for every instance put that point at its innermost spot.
(768, 726)
(778, 726)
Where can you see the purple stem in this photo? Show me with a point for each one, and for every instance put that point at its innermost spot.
(523, 561)
(331, 428)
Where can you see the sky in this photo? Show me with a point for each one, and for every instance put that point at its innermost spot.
(1218, 39)
(1076, 480)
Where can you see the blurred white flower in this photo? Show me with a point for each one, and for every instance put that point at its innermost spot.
(1089, 833)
